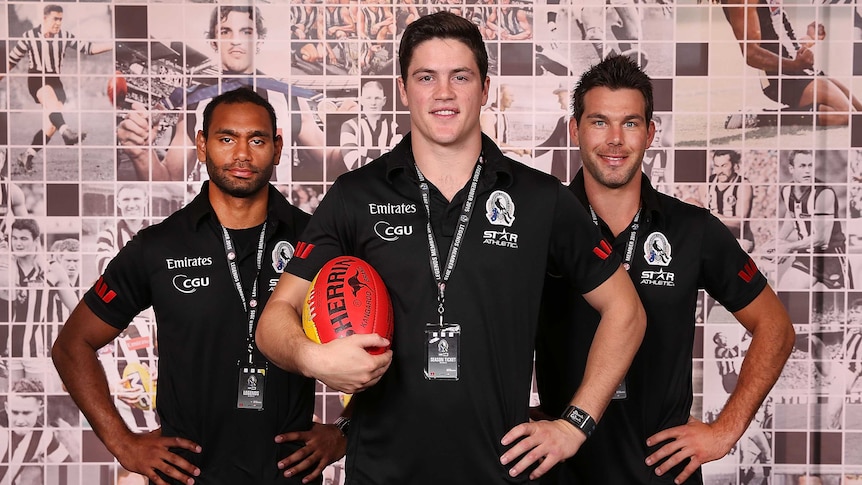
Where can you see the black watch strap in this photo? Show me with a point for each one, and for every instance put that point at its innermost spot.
(580, 419)
(343, 424)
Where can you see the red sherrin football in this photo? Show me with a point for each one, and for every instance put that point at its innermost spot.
(346, 297)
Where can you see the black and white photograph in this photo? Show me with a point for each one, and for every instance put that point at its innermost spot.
(757, 120)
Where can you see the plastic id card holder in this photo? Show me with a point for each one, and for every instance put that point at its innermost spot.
(442, 352)
(252, 383)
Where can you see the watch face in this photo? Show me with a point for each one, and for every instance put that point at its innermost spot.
(578, 417)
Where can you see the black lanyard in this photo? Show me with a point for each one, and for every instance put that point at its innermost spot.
(466, 213)
(249, 308)
(633, 237)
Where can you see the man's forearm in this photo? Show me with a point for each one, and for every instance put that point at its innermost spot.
(279, 336)
(615, 344)
(771, 344)
(85, 380)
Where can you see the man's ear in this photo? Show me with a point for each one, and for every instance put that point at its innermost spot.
(279, 145)
(402, 91)
(650, 134)
(201, 146)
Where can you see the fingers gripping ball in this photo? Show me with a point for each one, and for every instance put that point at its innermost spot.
(346, 297)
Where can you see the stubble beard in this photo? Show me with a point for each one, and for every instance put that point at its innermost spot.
(613, 179)
(240, 189)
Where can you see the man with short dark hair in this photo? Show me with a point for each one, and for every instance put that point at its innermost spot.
(132, 203)
(730, 196)
(671, 250)
(365, 139)
(29, 444)
(45, 47)
(66, 255)
(227, 415)
(465, 284)
(236, 33)
(810, 230)
(32, 282)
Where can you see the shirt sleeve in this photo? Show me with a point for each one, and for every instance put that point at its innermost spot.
(728, 273)
(328, 235)
(18, 52)
(577, 249)
(123, 290)
(79, 45)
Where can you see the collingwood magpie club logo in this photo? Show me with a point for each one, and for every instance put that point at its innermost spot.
(499, 209)
(657, 252)
(281, 254)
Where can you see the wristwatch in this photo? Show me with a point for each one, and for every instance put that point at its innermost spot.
(343, 424)
(580, 419)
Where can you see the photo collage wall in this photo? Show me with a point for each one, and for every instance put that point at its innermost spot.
(758, 118)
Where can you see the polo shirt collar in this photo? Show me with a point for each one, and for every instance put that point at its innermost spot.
(649, 196)
(201, 210)
(497, 171)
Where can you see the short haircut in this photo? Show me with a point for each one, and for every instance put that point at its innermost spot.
(138, 187)
(374, 84)
(615, 72)
(66, 245)
(792, 157)
(29, 225)
(735, 156)
(28, 385)
(220, 14)
(237, 96)
(442, 25)
(52, 8)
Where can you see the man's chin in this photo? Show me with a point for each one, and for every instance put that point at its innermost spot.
(243, 191)
(234, 68)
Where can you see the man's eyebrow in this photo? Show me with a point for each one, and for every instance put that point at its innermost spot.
(602, 116)
(252, 133)
(423, 70)
(428, 70)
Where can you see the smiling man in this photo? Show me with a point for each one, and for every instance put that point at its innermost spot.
(671, 250)
(465, 282)
(235, 34)
(227, 415)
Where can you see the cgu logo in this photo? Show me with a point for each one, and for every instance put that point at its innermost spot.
(189, 285)
(390, 233)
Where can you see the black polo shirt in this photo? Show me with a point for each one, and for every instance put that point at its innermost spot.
(407, 429)
(680, 248)
(180, 268)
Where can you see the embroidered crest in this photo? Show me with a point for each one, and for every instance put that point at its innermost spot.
(500, 210)
(657, 250)
(281, 254)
